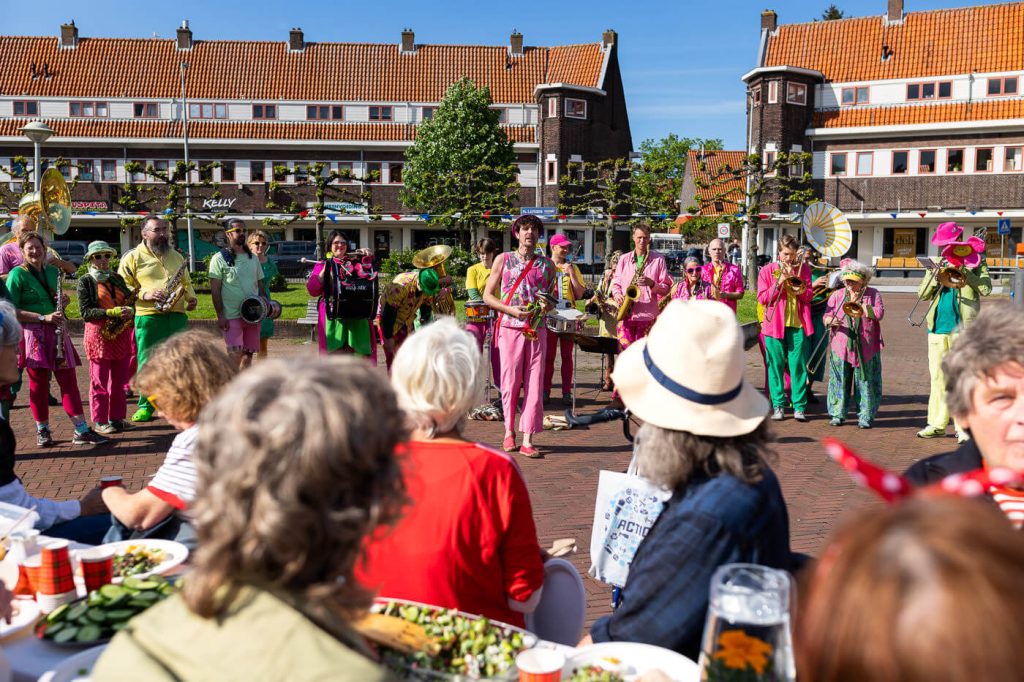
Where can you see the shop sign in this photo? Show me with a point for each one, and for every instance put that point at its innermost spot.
(89, 206)
(346, 207)
(993, 244)
(218, 204)
(904, 243)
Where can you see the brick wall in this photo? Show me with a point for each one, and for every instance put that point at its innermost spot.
(918, 193)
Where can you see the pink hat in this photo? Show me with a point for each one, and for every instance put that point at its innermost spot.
(946, 233)
(559, 240)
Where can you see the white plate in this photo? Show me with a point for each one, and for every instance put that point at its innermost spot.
(636, 659)
(175, 553)
(27, 615)
(70, 670)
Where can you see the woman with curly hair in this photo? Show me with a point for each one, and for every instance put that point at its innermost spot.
(285, 505)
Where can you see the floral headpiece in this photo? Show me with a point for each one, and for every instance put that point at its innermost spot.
(964, 254)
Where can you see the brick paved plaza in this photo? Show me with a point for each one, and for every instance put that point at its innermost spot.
(563, 485)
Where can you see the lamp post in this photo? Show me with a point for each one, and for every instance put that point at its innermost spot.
(188, 174)
(38, 132)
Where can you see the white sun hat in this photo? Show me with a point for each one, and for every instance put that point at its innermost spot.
(687, 375)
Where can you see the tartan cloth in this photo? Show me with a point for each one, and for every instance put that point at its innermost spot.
(55, 576)
(98, 571)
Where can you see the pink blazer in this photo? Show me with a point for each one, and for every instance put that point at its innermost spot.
(776, 326)
(732, 281)
(645, 309)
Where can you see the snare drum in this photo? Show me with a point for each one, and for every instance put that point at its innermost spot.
(255, 309)
(478, 311)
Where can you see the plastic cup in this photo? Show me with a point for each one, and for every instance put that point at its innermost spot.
(111, 481)
(28, 576)
(97, 567)
(50, 602)
(540, 665)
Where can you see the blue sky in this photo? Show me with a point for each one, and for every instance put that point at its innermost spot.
(681, 60)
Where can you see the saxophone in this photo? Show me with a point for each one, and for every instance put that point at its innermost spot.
(113, 326)
(632, 292)
(61, 331)
(173, 291)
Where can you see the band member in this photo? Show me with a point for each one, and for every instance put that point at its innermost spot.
(160, 274)
(235, 275)
(606, 309)
(408, 293)
(724, 278)
(514, 289)
(814, 349)
(11, 256)
(855, 360)
(568, 288)
(950, 309)
(344, 322)
(476, 281)
(786, 326)
(692, 287)
(34, 291)
(107, 306)
(259, 243)
(646, 269)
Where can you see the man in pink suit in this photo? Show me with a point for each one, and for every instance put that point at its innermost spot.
(652, 283)
(724, 278)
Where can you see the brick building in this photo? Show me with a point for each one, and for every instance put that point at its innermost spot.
(253, 105)
(913, 119)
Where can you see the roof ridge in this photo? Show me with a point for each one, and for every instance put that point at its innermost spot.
(238, 41)
(824, 22)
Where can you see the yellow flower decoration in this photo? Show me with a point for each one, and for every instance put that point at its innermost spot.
(737, 650)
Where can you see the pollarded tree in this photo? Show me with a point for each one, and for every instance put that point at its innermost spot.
(462, 165)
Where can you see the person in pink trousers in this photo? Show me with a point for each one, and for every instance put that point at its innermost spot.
(514, 288)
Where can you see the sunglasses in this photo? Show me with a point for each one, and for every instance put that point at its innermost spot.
(692, 270)
(259, 243)
(101, 256)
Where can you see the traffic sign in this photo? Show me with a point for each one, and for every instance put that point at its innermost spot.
(723, 230)
(1004, 226)
(542, 211)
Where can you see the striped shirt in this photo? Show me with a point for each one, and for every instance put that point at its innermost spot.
(175, 481)
(1011, 502)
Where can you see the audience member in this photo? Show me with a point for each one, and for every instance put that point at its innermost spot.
(284, 507)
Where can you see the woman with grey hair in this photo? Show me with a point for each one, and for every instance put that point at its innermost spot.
(296, 465)
(692, 287)
(470, 501)
(854, 315)
(705, 438)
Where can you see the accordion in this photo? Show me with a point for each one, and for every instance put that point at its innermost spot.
(350, 289)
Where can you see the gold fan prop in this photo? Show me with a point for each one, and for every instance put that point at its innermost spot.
(435, 257)
(51, 205)
(827, 229)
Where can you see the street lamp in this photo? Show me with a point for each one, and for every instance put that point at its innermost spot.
(38, 132)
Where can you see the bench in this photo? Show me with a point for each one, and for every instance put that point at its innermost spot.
(312, 317)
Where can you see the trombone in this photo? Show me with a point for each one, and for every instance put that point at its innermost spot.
(793, 284)
(947, 276)
(854, 311)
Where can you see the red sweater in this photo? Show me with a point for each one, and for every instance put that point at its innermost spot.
(467, 540)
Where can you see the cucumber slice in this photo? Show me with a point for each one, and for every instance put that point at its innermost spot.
(147, 584)
(148, 595)
(96, 615)
(120, 614)
(57, 613)
(66, 634)
(119, 626)
(53, 628)
(89, 633)
(120, 599)
(78, 610)
(112, 591)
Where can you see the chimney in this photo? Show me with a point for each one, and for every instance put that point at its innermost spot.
(296, 40)
(609, 38)
(408, 41)
(68, 35)
(769, 20)
(895, 12)
(184, 36)
(515, 44)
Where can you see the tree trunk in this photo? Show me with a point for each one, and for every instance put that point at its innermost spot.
(609, 237)
(750, 257)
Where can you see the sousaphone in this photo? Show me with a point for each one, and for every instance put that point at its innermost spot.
(434, 257)
(51, 204)
(827, 229)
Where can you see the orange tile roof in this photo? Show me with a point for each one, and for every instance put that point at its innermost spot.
(237, 70)
(913, 114)
(729, 191)
(238, 130)
(931, 43)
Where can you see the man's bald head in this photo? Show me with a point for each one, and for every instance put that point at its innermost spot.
(716, 249)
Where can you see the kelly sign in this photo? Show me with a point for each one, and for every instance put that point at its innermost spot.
(218, 204)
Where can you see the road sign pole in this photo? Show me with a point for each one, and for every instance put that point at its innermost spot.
(1018, 287)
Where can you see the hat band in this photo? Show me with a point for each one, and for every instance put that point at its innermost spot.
(688, 393)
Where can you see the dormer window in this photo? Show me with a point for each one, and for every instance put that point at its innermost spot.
(25, 108)
(208, 110)
(146, 110)
(87, 109)
(796, 93)
(264, 112)
(853, 96)
(380, 113)
(1002, 87)
(324, 112)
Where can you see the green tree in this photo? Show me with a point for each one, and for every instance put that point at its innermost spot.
(658, 177)
(831, 13)
(462, 164)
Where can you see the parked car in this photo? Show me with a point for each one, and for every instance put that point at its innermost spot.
(288, 257)
(71, 251)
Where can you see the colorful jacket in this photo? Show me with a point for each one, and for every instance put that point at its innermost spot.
(979, 284)
(645, 308)
(870, 336)
(774, 324)
(732, 281)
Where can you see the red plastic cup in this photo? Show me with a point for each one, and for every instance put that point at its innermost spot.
(28, 576)
(111, 481)
(540, 665)
(97, 567)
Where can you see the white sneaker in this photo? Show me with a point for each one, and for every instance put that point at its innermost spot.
(778, 414)
(800, 416)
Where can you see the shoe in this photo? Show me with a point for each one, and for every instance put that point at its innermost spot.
(566, 400)
(121, 424)
(530, 451)
(43, 438)
(836, 421)
(143, 414)
(54, 402)
(800, 416)
(931, 432)
(778, 414)
(863, 424)
(962, 437)
(105, 429)
(89, 437)
(509, 444)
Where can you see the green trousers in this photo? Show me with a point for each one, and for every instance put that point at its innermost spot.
(150, 330)
(788, 350)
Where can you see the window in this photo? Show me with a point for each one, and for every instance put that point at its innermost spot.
(205, 171)
(575, 108)
(161, 167)
(86, 170)
(1013, 159)
(854, 96)
(984, 160)
(770, 157)
(227, 171)
(380, 113)
(264, 111)
(146, 110)
(1002, 86)
(926, 161)
(838, 164)
(796, 93)
(900, 162)
(954, 160)
(372, 172)
(345, 170)
(207, 110)
(324, 112)
(257, 171)
(755, 96)
(395, 173)
(865, 163)
(109, 171)
(945, 90)
(796, 164)
(551, 172)
(140, 174)
(23, 108)
(940, 90)
(552, 107)
(87, 109)
(65, 170)
(773, 92)
(427, 113)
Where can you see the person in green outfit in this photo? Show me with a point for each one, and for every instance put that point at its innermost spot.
(344, 320)
(235, 276)
(160, 309)
(259, 243)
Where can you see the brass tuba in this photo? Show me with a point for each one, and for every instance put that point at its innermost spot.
(435, 257)
(50, 205)
(952, 278)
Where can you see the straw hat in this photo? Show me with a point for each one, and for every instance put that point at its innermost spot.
(687, 375)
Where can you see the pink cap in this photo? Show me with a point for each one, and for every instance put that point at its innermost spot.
(559, 240)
